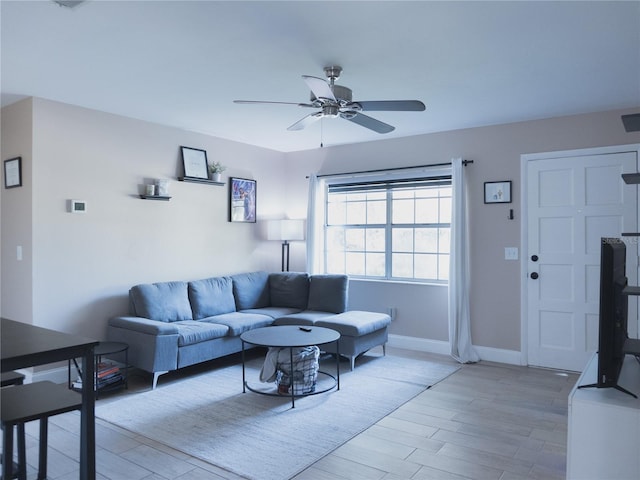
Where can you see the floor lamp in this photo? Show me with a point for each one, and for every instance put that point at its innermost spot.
(285, 231)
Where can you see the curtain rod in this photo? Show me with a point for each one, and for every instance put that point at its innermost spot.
(464, 163)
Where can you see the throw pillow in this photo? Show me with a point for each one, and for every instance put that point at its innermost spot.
(165, 302)
(289, 290)
(328, 293)
(211, 296)
(251, 290)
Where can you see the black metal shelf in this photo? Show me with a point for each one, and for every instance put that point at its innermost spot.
(629, 290)
(117, 380)
(631, 178)
(155, 197)
(199, 180)
(121, 382)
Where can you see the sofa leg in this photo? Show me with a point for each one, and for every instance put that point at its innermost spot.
(155, 378)
(384, 349)
(352, 361)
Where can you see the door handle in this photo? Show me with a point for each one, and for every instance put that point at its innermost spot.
(534, 275)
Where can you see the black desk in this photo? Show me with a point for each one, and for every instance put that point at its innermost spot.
(24, 345)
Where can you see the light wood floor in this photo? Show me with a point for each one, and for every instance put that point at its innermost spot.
(486, 421)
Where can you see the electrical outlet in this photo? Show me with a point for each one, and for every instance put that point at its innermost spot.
(392, 312)
(511, 253)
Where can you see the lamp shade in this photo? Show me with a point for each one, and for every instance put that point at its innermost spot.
(285, 230)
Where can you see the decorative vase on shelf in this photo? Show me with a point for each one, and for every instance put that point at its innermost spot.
(216, 169)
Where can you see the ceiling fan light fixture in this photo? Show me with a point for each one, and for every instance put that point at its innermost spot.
(335, 101)
(330, 111)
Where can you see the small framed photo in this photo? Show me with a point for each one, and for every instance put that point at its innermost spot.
(195, 163)
(497, 192)
(242, 200)
(13, 172)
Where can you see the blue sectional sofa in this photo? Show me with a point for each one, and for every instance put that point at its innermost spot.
(176, 324)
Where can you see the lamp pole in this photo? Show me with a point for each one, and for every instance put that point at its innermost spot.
(285, 256)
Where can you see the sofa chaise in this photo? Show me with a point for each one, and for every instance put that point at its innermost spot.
(176, 324)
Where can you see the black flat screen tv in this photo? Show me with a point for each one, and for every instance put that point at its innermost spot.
(613, 313)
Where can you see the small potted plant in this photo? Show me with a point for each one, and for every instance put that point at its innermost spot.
(216, 169)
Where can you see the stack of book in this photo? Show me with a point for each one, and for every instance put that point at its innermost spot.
(106, 374)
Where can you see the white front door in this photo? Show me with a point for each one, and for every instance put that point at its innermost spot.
(572, 201)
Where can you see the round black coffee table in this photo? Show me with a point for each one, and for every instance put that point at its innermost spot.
(292, 336)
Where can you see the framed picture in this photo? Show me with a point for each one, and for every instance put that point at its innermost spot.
(13, 172)
(195, 163)
(242, 200)
(497, 192)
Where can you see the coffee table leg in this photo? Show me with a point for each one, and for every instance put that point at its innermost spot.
(244, 382)
(293, 401)
(338, 361)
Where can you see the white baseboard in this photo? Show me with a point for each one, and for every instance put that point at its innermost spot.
(512, 357)
(489, 354)
(419, 344)
(55, 375)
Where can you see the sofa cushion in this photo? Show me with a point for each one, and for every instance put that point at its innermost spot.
(165, 302)
(306, 317)
(273, 312)
(239, 322)
(328, 293)
(211, 296)
(355, 323)
(251, 290)
(289, 290)
(191, 331)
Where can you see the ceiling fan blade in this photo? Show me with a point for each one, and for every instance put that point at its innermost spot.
(306, 121)
(319, 87)
(392, 106)
(251, 102)
(369, 122)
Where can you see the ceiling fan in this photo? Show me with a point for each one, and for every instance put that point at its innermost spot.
(336, 101)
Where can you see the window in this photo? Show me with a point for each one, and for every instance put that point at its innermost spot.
(394, 230)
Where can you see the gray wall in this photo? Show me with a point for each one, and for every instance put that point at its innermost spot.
(77, 269)
(16, 204)
(495, 150)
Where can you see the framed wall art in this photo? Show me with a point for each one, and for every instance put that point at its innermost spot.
(497, 192)
(242, 200)
(195, 163)
(13, 172)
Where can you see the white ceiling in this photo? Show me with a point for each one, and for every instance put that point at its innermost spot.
(183, 63)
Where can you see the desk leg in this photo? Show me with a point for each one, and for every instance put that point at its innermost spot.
(88, 420)
(7, 451)
(43, 447)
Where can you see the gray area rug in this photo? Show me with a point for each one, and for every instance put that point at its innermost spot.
(261, 437)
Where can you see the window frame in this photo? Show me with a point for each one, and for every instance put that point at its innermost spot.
(390, 183)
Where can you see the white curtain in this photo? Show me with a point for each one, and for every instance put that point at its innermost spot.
(315, 220)
(459, 317)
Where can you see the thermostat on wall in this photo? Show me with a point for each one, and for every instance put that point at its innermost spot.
(77, 206)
